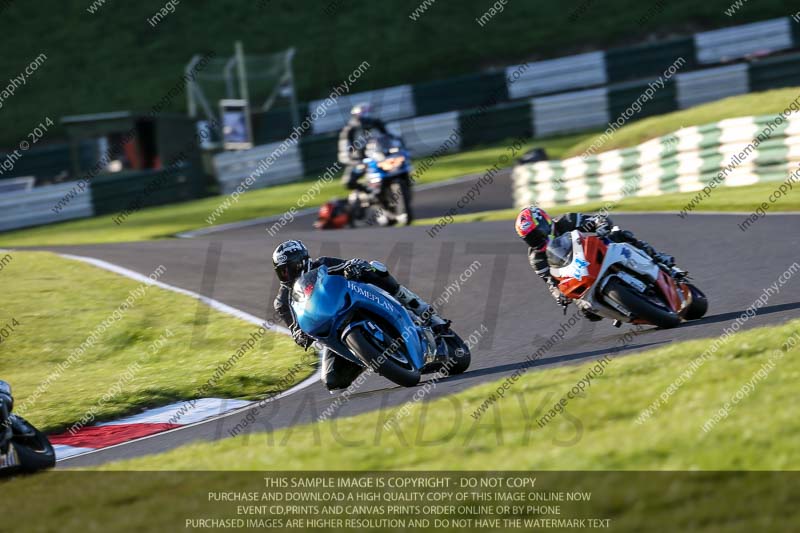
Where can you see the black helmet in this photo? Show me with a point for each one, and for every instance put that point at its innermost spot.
(5, 396)
(290, 259)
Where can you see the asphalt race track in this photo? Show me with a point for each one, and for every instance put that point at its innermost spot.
(503, 294)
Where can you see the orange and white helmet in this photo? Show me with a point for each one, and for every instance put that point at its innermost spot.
(535, 227)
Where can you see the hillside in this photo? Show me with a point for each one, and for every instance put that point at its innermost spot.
(138, 63)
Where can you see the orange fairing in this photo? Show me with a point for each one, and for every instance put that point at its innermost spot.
(670, 290)
(391, 164)
(594, 250)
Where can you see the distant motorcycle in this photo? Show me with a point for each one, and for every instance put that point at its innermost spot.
(620, 282)
(23, 448)
(367, 326)
(387, 201)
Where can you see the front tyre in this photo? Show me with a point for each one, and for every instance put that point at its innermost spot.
(373, 354)
(460, 357)
(640, 306)
(699, 305)
(400, 201)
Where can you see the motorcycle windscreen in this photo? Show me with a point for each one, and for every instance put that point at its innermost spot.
(559, 253)
(317, 299)
(378, 148)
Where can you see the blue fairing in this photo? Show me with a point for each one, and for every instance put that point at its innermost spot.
(326, 306)
(374, 171)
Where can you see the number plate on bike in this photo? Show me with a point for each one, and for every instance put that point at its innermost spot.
(10, 459)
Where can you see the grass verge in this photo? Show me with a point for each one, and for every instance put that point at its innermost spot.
(726, 199)
(164, 347)
(597, 432)
(165, 221)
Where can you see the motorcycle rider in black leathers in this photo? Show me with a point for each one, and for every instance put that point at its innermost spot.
(291, 259)
(6, 406)
(537, 229)
(352, 142)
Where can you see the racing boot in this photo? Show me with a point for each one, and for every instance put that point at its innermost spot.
(421, 309)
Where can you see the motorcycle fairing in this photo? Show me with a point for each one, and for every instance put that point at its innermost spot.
(325, 306)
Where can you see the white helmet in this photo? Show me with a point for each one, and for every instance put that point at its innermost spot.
(361, 111)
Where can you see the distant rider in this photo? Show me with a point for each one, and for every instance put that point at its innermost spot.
(353, 140)
(291, 260)
(6, 406)
(538, 230)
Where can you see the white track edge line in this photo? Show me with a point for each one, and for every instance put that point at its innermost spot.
(214, 304)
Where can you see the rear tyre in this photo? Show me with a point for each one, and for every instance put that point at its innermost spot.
(699, 306)
(640, 306)
(35, 452)
(459, 364)
(369, 351)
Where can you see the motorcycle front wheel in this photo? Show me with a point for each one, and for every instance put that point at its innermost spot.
(640, 306)
(34, 451)
(373, 354)
(458, 363)
(400, 201)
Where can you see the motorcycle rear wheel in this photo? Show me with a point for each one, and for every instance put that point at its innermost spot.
(35, 452)
(369, 351)
(640, 306)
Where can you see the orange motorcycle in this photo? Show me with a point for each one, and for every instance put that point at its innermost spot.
(620, 282)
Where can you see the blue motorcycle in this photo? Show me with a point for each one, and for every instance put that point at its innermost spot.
(387, 166)
(367, 326)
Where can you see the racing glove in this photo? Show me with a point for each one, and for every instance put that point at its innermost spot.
(355, 269)
(558, 296)
(603, 227)
(301, 339)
